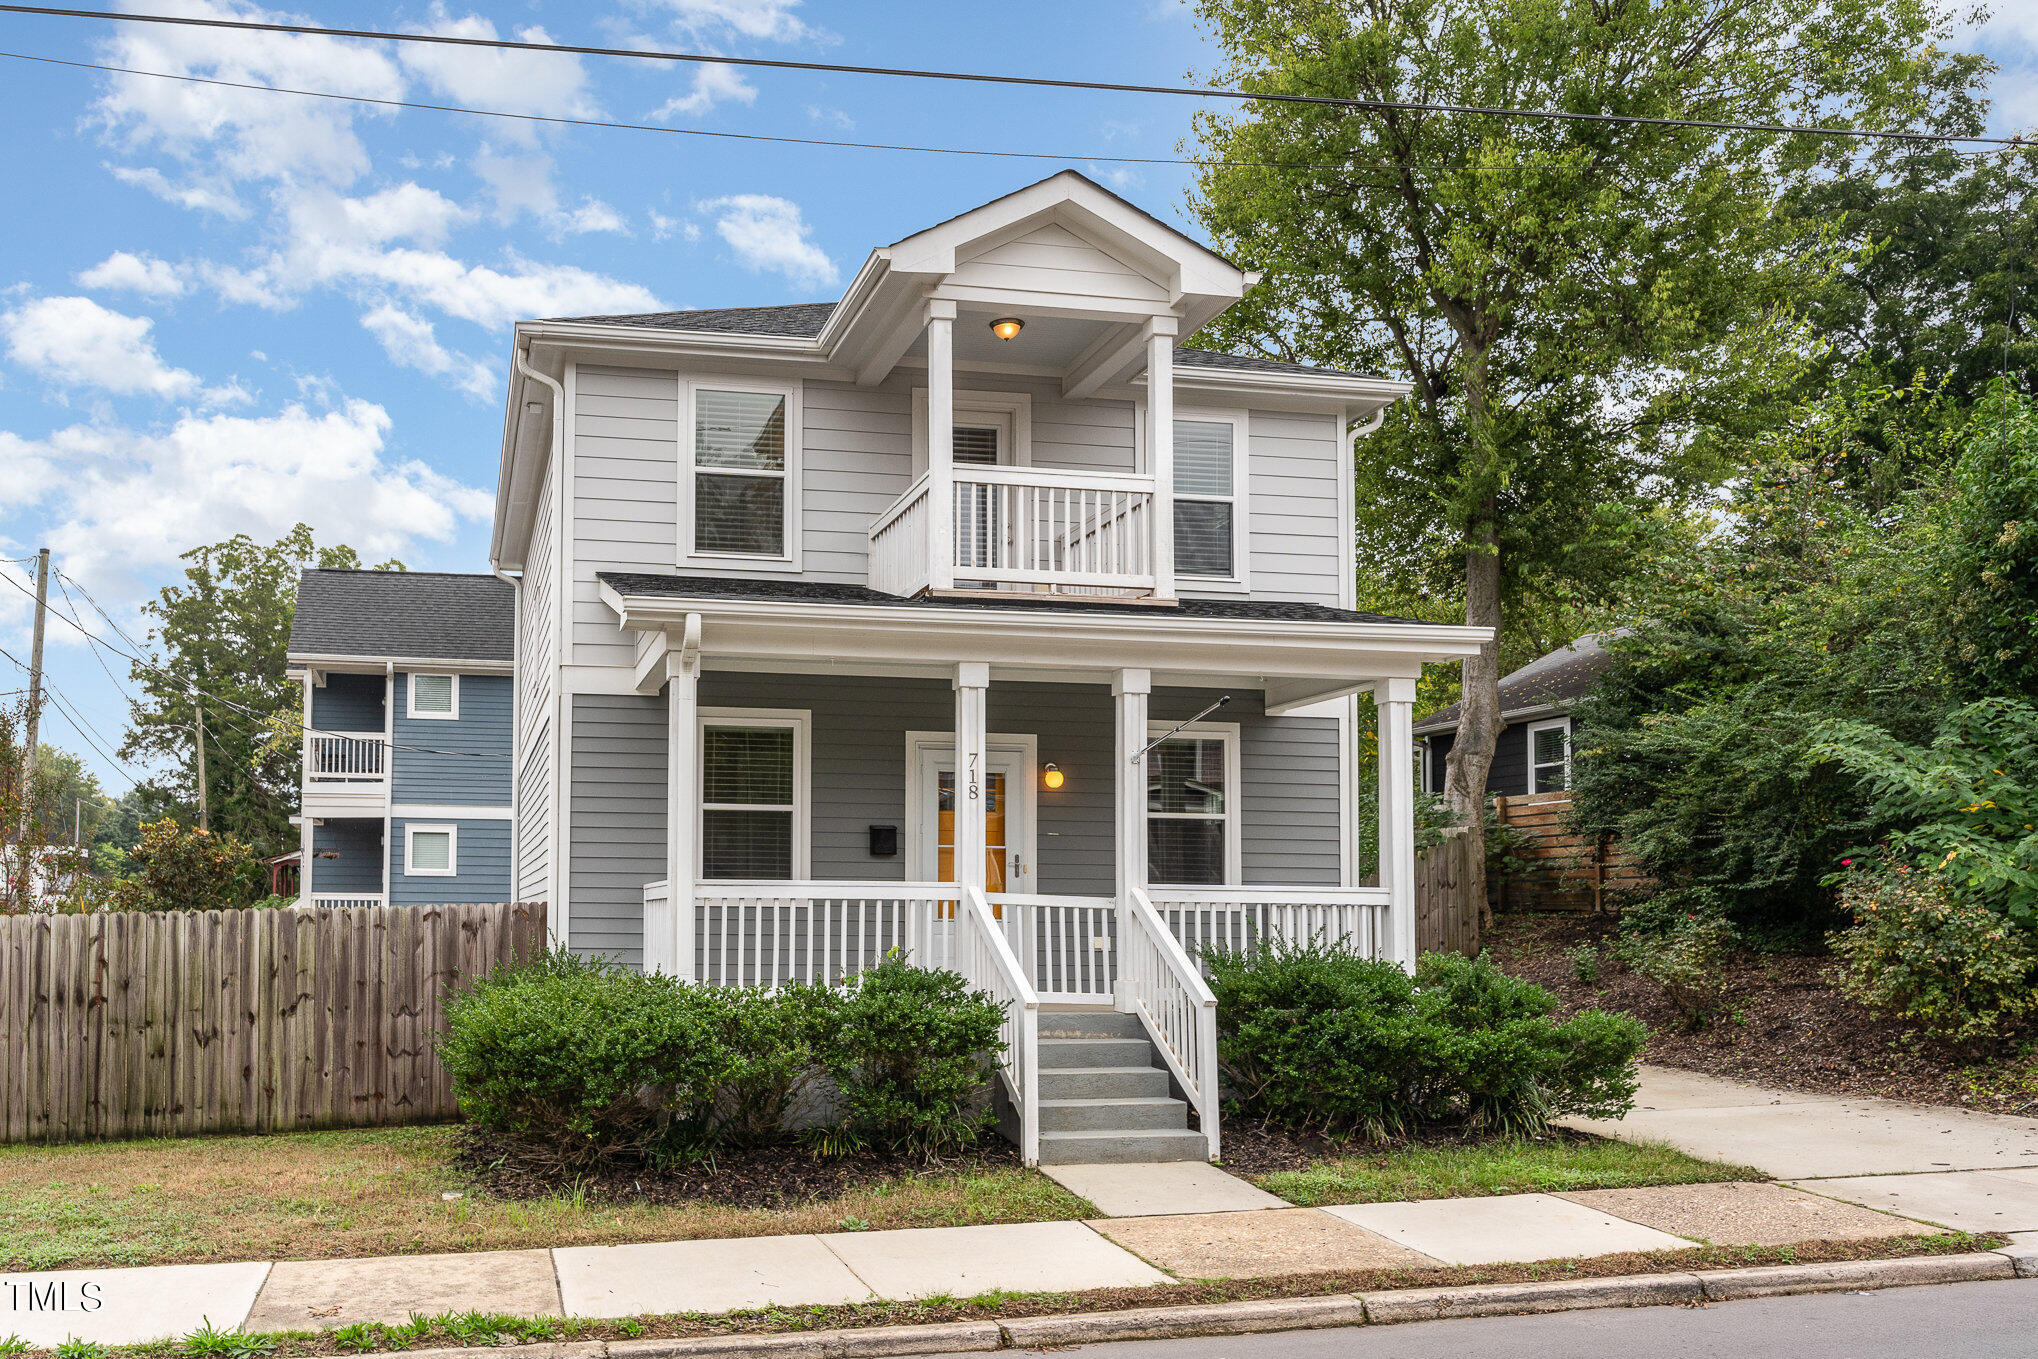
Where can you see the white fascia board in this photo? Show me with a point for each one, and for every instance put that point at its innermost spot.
(376, 665)
(1368, 394)
(588, 342)
(1507, 718)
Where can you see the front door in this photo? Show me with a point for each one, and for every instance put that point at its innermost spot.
(1008, 837)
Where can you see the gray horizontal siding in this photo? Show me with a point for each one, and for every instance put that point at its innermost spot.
(1300, 548)
(464, 761)
(481, 854)
(357, 843)
(348, 703)
(617, 835)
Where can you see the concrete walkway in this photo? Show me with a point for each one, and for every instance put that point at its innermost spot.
(1952, 1167)
(132, 1305)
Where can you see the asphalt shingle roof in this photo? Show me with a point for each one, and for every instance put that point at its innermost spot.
(823, 592)
(1556, 680)
(425, 614)
(804, 320)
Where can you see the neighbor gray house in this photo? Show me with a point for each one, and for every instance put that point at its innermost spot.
(408, 709)
(969, 615)
(1533, 751)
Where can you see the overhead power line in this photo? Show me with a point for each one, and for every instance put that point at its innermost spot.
(990, 78)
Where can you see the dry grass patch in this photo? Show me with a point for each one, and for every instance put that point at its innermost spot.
(394, 1191)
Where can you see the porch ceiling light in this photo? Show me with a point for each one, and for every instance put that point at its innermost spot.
(1052, 777)
(1005, 327)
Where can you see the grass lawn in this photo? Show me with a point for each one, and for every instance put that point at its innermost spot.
(1503, 1166)
(382, 1191)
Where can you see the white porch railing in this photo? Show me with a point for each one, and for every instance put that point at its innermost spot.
(1165, 988)
(1023, 528)
(772, 933)
(1238, 918)
(1068, 945)
(332, 758)
(985, 959)
(346, 899)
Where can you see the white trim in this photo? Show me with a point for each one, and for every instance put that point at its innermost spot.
(1010, 412)
(452, 833)
(1234, 808)
(410, 697)
(1529, 752)
(322, 664)
(1024, 745)
(448, 811)
(801, 722)
(793, 529)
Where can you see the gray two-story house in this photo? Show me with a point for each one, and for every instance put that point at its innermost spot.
(970, 615)
(409, 709)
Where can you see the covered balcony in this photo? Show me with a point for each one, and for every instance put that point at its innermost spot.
(345, 773)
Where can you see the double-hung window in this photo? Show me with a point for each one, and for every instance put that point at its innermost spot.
(753, 796)
(744, 457)
(1549, 752)
(1192, 807)
(1207, 499)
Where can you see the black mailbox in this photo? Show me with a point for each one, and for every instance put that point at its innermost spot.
(884, 842)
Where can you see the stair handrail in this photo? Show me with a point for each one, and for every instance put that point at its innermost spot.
(985, 959)
(1165, 988)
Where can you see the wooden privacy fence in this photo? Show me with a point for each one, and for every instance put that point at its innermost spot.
(1446, 917)
(1561, 869)
(130, 1024)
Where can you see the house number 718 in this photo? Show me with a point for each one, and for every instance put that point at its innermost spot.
(973, 777)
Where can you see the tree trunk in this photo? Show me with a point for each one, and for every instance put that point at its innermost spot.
(1471, 757)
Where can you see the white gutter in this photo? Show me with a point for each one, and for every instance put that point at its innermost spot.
(516, 585)
(555, 904)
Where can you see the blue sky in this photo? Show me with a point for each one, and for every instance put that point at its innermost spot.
(227, 311)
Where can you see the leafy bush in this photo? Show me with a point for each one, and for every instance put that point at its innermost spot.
(908, 1049)
(1681, 941)
(1987, 553)
(587, 1061)
(771, 1036)
(185, 868)
(1319, 1037)
(1585, 964)
(1939, 960)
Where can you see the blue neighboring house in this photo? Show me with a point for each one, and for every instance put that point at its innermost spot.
(408, 793)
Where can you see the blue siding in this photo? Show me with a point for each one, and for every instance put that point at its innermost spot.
(348, 703)
(358, 869)
(476, 771)
(481, 853)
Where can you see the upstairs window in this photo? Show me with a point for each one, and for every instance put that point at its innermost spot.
(1206, 499)
(742, 460)
(1191, 809)
(1549, 746)
(435, 697)
(753, 798)
(430, 851)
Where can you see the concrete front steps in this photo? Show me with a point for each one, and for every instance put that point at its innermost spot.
(1105, 1094)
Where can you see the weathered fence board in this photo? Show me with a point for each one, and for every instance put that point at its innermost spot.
(1564, 871)
(1446, 917)
(137, 1025)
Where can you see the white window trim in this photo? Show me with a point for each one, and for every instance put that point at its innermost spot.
(795, 437)
(1010, 412)
(452, 832)
(1234, 809)
(1562, 724)
(410, 689)
(801, 723)
(1239, 582)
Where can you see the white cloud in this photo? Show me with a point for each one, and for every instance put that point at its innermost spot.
(407, 212)
(76, 342)
(197, 195)
(144, 274)
(591, 216)
(712, 85)
(768, 236)
(411, 341)
(830, 117)
(549, 84)
(665, 228)
(761, 20)
(232, 474)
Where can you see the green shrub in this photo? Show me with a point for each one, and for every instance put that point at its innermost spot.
(908, 1049)
(1585, 964)
(1956, 969)
(1681, 940)
(771, 1038)
(1319, 1037)
(588, 1061)
(186, 868)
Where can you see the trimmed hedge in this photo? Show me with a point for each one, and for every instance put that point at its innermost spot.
(1321, 1038)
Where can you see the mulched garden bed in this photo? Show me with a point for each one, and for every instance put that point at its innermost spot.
(1252, 1148)
(1785, 1023)
(763, 1177)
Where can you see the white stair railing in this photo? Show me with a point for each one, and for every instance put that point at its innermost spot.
(1161, 985)
(985, 959)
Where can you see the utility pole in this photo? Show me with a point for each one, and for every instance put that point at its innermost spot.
(198, 737)
(42, 608)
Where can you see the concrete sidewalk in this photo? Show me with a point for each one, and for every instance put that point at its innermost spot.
(132, 1305)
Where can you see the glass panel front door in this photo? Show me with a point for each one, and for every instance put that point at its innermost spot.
(994, 831)
(1008, 845)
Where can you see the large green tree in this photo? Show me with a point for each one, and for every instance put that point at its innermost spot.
(221, 639)
(1589, 313)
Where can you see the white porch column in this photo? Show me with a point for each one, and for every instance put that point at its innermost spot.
(1394, 702)
(1160, 448)
(941, 443)
(672, 939)
(305, 830)
(1129, 692)
(972, 681)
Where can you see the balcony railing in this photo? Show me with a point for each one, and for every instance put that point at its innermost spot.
(1021, 528)
(345, 759)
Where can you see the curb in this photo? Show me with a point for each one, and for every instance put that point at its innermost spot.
(2018, 1260)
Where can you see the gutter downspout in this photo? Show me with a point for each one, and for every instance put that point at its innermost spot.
(556, 908)
(516, 585)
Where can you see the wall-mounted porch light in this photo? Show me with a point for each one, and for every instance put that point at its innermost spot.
(1052, 777)
(1006, 327)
